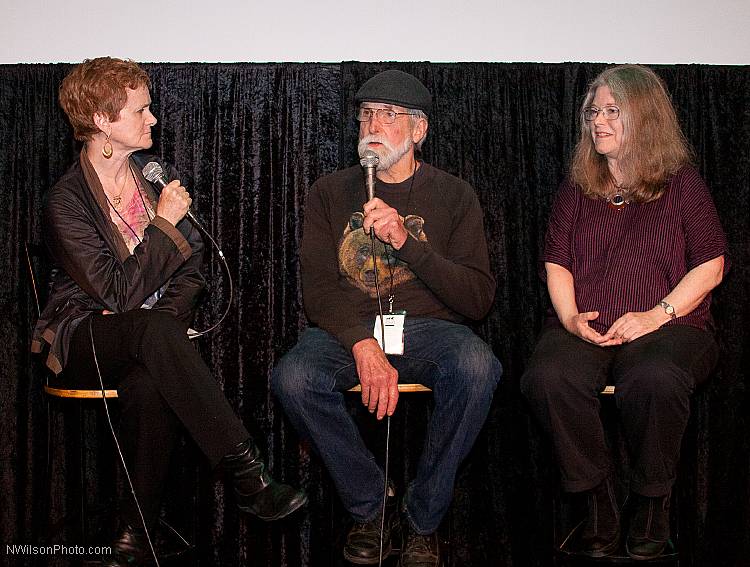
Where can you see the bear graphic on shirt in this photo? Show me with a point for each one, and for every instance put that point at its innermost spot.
(355, 255)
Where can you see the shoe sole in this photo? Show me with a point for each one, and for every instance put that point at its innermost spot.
(363, 561)
(638, 557)
(605, 551)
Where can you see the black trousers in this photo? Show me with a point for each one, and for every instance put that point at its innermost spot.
(163, 387)
(654, 377)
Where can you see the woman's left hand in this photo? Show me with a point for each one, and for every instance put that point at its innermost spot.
(636, 324)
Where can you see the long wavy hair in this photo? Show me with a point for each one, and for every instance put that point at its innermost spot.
(653, 146)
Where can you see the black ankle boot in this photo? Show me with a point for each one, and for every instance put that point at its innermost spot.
(601, 531)
(649, 527)
(130, 548)
(257, 493)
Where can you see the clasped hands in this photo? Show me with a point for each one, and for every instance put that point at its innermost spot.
(627, 328)
(386, 222)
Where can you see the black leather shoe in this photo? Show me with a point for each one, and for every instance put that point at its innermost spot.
(130, 548)
(362, 545)
(257, 493)
(600, 535)
(420, 550)
(649, 528)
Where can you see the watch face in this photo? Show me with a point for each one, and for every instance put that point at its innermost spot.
(668, 309)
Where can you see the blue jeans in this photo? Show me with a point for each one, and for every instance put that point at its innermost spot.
(449, 358)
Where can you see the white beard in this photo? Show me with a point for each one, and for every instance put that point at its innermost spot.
(388, 154)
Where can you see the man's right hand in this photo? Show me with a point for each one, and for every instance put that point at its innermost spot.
(174, 202)
(378, 378)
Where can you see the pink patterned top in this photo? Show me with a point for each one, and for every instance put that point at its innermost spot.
(133, 219)
(131, 222)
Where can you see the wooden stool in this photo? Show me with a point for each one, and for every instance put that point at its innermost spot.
(402, 388)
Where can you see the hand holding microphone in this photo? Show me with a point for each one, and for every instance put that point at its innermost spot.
(174, 200)
(386, 222)
(382, 218)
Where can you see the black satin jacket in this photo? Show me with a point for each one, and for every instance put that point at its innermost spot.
(94, 270)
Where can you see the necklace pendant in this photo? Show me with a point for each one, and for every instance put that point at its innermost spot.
(117, 200)
(617, 201)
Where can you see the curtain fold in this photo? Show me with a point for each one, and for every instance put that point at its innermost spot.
(249, 140)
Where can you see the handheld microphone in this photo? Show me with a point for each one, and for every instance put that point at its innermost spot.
(369, 162)
(154, 173)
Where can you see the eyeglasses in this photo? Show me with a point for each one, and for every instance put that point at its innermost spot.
(384, 115)
(610, 112)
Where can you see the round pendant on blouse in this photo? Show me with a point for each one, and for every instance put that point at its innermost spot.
(617, 201)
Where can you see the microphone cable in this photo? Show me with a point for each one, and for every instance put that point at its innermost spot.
(387, 417)
(369, 161)
(153, 172)
(192, 334)
(382, 334)
(117, 443)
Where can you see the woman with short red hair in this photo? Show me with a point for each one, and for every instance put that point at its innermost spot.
(124, 289)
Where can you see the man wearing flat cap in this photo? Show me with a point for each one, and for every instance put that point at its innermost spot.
(433, 275)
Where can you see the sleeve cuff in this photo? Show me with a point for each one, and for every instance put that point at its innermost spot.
(349, 337)
(411, 251)
(175, 235)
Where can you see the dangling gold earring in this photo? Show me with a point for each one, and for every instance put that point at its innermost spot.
(107, 149)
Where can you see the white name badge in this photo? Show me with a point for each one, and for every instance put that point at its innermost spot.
(394, 332)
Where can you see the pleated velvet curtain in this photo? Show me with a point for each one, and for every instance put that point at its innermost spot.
(249, 140)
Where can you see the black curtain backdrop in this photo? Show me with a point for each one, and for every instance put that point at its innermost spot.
(249, 140)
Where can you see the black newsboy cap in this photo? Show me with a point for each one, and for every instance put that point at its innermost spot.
(396, 87)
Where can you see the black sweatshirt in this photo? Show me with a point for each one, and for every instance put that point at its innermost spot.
(442, 271)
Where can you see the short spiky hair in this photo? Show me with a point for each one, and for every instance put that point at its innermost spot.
(653, 145)
(98, 85)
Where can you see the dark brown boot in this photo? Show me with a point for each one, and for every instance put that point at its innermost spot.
(257, 493)
(362, 545)
(649, 527)
(420, 550)
(600, 535)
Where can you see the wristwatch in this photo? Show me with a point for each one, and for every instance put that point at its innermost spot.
(668, 309)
